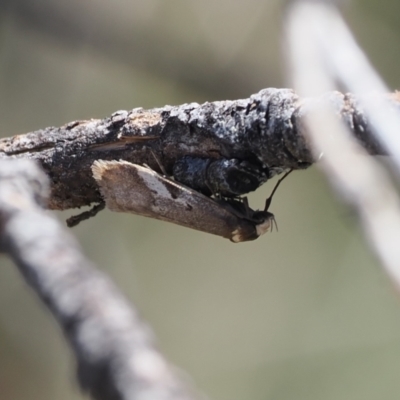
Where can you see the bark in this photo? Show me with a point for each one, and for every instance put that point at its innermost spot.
(261, 134)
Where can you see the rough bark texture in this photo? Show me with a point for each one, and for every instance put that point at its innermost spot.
(262, 134)
(114, 348)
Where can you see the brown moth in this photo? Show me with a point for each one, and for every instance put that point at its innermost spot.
(137, 189)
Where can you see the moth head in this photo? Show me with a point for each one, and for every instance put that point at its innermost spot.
(267, 221)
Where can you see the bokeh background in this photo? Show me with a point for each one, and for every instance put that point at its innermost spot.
(302, 314)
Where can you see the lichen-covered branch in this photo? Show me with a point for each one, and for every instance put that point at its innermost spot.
(115, 351)
(261, 134)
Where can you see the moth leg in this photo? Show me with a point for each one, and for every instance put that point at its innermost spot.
(77, 219)
(162, 169)
(247, 210)
(217, 196)
(208, 187)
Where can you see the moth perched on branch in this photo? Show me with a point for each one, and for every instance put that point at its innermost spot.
(132, 188)
(263, 133)
(225, 149)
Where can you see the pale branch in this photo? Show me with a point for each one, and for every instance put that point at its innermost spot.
(361, 181)
(265, 132)
(115, 351)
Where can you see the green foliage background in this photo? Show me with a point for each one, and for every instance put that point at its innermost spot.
(302, 314)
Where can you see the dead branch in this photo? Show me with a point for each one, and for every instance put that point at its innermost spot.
(264, 131)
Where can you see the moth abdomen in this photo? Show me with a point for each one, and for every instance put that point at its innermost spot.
(224, 177)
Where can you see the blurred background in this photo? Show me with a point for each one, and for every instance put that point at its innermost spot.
(302, 314)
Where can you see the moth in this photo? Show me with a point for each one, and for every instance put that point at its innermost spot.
(132, 188)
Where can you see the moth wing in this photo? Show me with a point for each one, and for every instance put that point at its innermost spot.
(132, 188)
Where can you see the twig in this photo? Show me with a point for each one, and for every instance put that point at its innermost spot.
(361, 181)
(350, 66)
(117, 359)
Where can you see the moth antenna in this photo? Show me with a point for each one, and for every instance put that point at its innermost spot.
(162, 169)
(268, 201)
